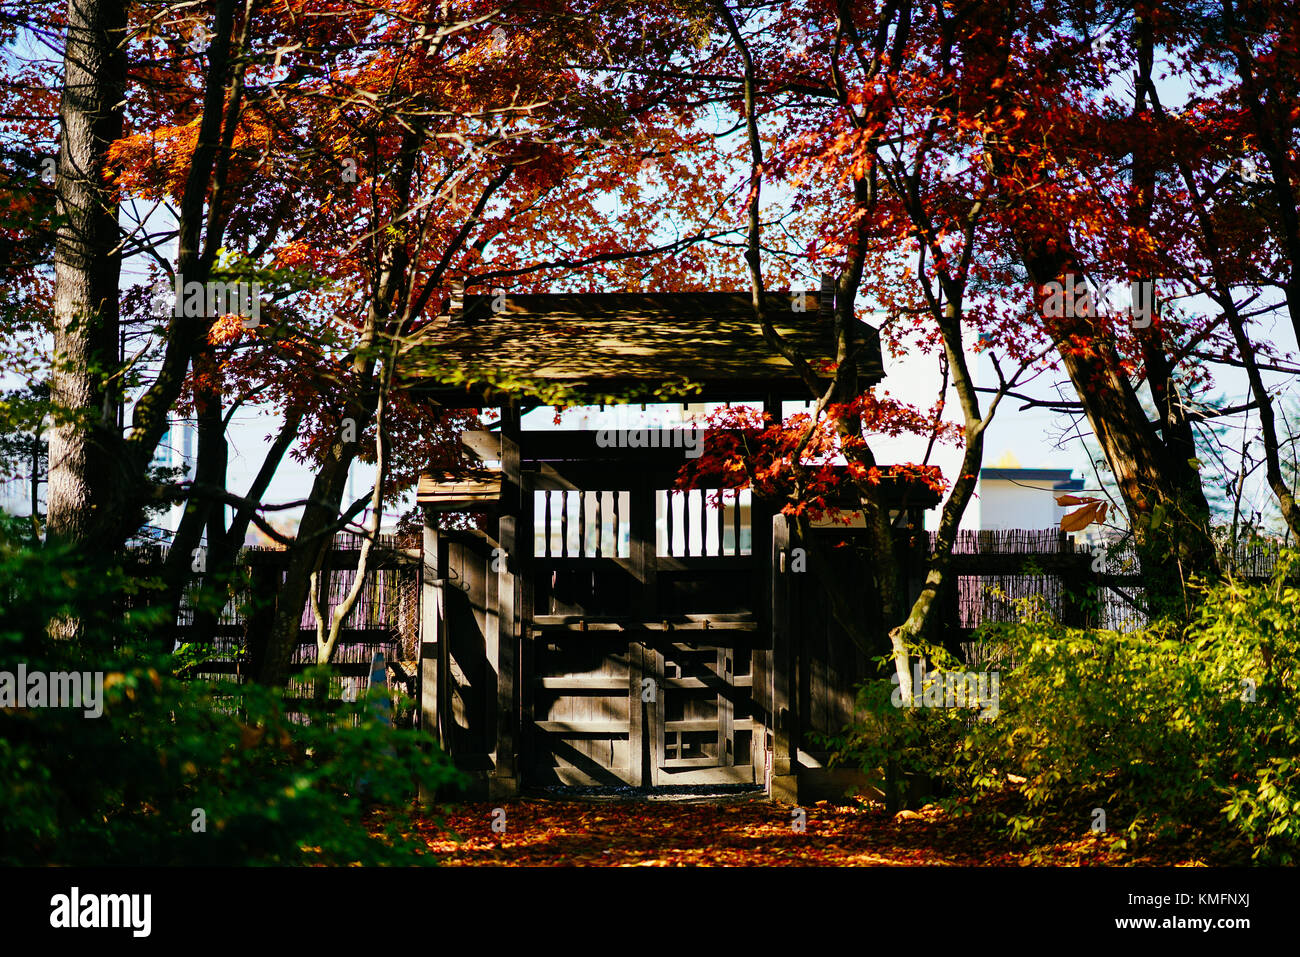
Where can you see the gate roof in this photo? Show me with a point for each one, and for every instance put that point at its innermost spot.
(566, 348)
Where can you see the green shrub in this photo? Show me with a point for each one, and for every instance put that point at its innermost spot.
(1156, 727)
(167, 755)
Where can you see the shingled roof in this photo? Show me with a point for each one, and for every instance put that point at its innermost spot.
(623, 346)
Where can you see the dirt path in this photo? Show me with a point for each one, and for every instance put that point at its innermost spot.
(738, 832)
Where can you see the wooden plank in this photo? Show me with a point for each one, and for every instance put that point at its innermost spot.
(694, 564)
(614, 683)
(485, 445)
(498, 606)
(508, 590)
(442, 489)
(526, 661)
(987, 564)
(716, 619)
(720, 622)
(570, 776)
(431, 647)
(704, 521)
(582, 523)
(597, 342)
(618, 528)
(735, 522)
(704, 776)
(645, 604)
(685, 499)
(670, 627)
(696, 724)
(546, 523)
(582, 727)
(722, 514)
(564, 525)
(784, 763)
(653, 753)
(705, 762)
(641, 774)
(669, 501)
(726, 709)
(700, 684)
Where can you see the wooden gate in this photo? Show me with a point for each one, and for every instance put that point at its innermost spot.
(643, 637)
(652, 712)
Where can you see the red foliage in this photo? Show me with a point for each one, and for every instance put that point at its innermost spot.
(814, 473)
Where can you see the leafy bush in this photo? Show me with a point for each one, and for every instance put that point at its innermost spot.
(128, 787)
(1165, 728)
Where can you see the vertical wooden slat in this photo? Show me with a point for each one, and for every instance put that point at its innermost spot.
(735, 520)
(546, 521)
(564, 524)
(431, 574)
(505, 782)
(498, 606)
(644, 563)
(722, 512)
(639, 771)
(600, 524)
(785, 767)
(615, 523)
(526, 743)
(704, 521)
(668, 521)
(582, 523)
(686, 523)
(653, 668)
(726, 716)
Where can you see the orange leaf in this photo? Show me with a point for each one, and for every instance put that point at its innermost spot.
(1074, 500)
(1080, 519)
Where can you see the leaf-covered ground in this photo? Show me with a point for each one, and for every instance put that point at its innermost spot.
(746, 833)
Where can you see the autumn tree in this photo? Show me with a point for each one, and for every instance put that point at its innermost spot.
(462, 146)
(836, 113)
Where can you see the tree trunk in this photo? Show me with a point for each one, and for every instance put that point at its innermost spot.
(86, 466)
(306, 558)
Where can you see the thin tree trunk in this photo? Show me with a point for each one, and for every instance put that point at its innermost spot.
(224, 549)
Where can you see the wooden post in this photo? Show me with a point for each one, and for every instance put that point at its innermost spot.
(505, 780)
(526, 662)
(432, 573)
(640, 767)
(1078, 580)
(785, 765)
(645, 743)
(264, 578)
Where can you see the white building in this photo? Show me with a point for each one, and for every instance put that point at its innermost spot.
(176, 449)
(1024, 498)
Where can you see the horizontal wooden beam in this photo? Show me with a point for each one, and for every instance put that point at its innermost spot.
(603, 683)
(717, 682)
(567, 774)
(705, 762)
(579, 623)
(583, 727)
(709, 724)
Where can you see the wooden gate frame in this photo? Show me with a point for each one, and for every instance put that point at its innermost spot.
(497, 765)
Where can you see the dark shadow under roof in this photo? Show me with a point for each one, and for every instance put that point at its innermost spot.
(596, 347)
(993, 473)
